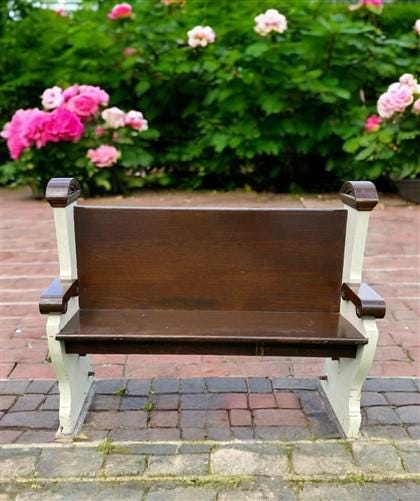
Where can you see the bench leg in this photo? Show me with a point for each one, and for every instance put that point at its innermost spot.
(75, 382)
(345, 378)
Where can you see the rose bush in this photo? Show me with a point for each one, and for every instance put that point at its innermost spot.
(390, 142)
(72, 115)
(270, 110)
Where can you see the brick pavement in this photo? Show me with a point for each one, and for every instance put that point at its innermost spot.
(208, 409)
(29, 261)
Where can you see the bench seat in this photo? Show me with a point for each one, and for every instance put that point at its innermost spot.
(210, 332)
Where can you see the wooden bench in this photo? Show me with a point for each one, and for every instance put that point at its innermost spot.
(220, 281)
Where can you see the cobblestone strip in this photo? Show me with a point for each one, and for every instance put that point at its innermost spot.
(371, 469)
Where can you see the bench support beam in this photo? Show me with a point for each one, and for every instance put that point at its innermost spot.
(74, 374)
(75, 378)
(345, 377)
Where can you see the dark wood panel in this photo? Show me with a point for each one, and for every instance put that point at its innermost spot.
(144, 347)
(211, 326)
(210, 259)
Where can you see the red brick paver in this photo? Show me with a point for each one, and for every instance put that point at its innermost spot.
(29, 261)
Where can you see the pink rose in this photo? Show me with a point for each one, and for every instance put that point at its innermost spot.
(395, 100)
(99, 131)
(60, 12)
(409, 81)
(71, 91)
(373, 123)
(114, 117)
(26, 129)
(83, 105)
(120, 11)
(374, 3)
(416, 107)
(96, 93)
(63, 125)
(201, 36)
(129, 51)
(136, 121)
(270, 20)
(104, 156)
(52, 98)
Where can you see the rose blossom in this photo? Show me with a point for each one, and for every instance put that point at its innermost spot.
(99, 131)
(409, 81)
(136, 121)
(114, 117)
(373, 5)
(104, 156)
(416, 27)
(201, 36)
(120, 11)
(270, 20)
(25, 129)
(373, 123)
(63, 125)
(416, 107)
(52, 98)
(71, 91)
(129, 51)
(395, 100)
(96, 93)
(83, 105)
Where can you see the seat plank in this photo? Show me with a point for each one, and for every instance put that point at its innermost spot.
(210, 332)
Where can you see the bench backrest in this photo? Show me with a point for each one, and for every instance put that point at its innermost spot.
(210, 259)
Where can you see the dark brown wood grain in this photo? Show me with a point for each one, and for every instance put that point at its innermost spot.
(367, 301)
(211, 332)
(62, 191)
(361, 195)
(210, 259)
(54, 299)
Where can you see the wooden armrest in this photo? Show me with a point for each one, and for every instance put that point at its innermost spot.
(368, 302)
(54, 299)
(62, 191)
(361, 195)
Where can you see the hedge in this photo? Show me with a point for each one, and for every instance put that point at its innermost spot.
(262, 113)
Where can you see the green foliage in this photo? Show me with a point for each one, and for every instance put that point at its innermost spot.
(282, 112)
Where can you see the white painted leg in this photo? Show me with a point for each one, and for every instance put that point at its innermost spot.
(345, 377)
(75, 379)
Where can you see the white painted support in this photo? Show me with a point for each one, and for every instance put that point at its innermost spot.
(74, 375)
(345, 376)
(75, 379)
(64, 230)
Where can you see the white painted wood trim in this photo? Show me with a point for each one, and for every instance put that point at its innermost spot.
(66, 244)
(75, 379)
(74, 374)
(345, 377)
(354, 251)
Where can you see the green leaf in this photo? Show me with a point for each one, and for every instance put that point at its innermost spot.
(256, 49)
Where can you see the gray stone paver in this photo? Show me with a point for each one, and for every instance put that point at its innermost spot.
(376, 458)
(250, 460)
(124, 464)
(407, 491)
(17, 466)
(72, 462)
(409, 414)
(326, 459)
(180, 465)
(181, 494)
